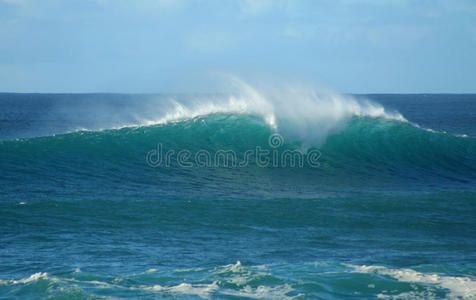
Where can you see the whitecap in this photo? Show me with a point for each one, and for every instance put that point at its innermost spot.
(458, 286)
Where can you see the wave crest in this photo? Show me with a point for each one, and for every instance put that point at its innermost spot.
(296, 112)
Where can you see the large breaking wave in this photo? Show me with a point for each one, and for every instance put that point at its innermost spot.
(361, 144)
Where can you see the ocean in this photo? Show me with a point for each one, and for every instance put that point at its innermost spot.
(236, 196)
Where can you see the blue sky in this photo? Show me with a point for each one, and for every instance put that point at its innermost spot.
(356, 46)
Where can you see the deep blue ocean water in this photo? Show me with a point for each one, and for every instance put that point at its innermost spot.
(388, 210)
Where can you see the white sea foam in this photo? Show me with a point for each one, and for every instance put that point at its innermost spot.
(151, 271)
(200, 290)
(234, 268)
(237, 274)
(263, 292)
(33, 277)
(213, 290)
(458, 287)
(295, 111)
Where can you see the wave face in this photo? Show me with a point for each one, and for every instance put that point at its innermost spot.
(366, 153)
(247, 195)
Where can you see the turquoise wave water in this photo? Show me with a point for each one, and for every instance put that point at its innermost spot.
(368, 152)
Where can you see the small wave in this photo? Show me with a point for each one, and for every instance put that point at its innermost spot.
(201, 290)
(263, 292)
(273, 281)
(459, 287)
(32, 278)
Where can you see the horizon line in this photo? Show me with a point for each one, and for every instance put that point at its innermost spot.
(207, 93)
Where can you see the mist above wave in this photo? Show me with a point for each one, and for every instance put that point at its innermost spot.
(297, 112)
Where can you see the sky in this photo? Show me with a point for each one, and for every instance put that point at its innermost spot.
(161, 46)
